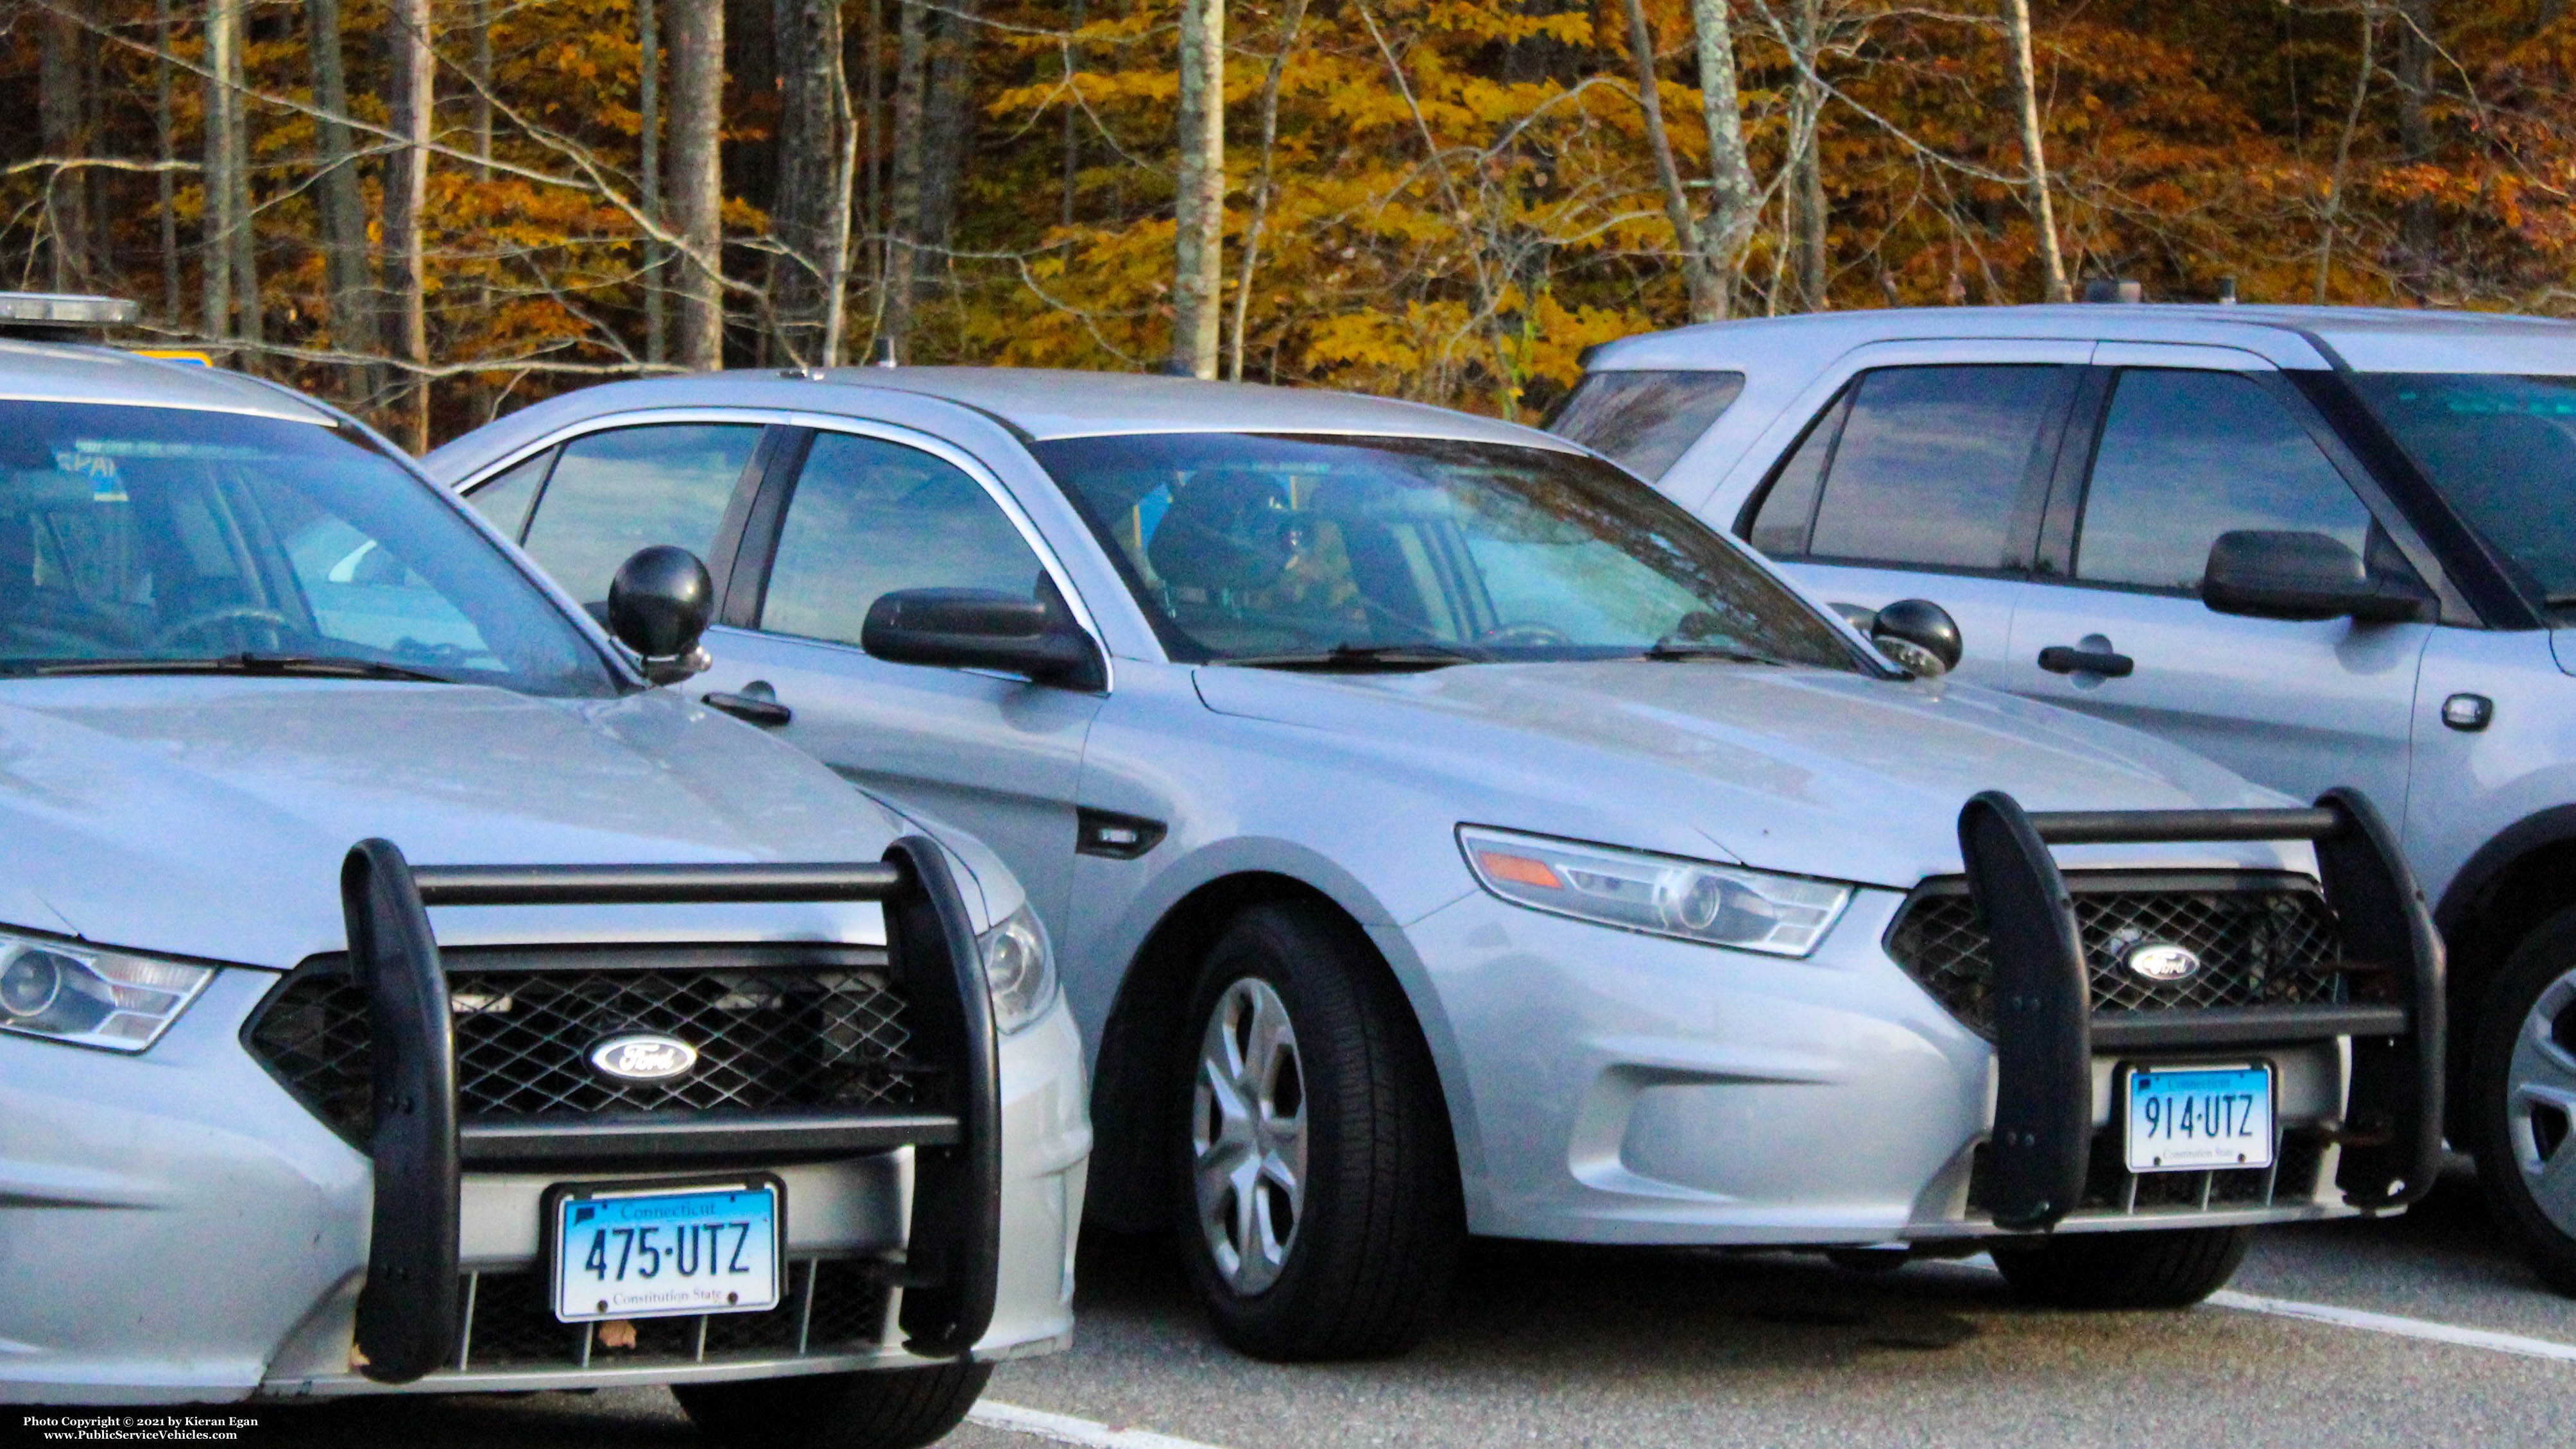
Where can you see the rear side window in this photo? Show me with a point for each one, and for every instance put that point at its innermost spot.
(1934, 467)
(1646, 420)
(2187, 456)
(615, 492)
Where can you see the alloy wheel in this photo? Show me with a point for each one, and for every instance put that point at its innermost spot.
(2540, 1102)
(1248, 1135)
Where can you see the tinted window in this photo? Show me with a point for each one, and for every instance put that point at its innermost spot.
(1242, 545)
(868, 517)
(1646, 420)
(2187, 456)
(615, 492)
(1932, 464)
(1789, 504)
(152, 534)
(2503, 450)
(505, 499)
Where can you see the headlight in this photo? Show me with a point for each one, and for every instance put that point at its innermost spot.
(1018, 970)
(93, 998)
(1665, 895)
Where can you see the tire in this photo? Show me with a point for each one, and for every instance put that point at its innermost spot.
(2522, 1089)
(1334, 1119)
(2161, 1268)
(885, 1409)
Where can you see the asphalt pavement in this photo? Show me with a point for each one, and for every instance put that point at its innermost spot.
(1580, 1347)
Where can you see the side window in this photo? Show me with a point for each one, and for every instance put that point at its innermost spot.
(868, 517)
(2187, 456)
(1937, 466)
(615, 492)
(1789, 505)
(504, 499)
(1646, 420)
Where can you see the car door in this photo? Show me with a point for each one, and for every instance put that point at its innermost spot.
(1922, 481)
(2112, 623)
(842, 518)
(583, 504)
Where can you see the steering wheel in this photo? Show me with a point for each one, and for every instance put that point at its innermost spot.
(1526, 636)
(226, 614)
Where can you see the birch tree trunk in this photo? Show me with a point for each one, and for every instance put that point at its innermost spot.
(1699, 280)
(337, 192)
(59, 110)
(811, 215)
(1288, 26)
(1734, 203)
(2034, 157)
(409, 97)
(697, 193)
(223, 36)
(903, 181)
(648, 170)
(1199, 206)
(1807, 180)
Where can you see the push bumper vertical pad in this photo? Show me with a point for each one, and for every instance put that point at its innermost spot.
(409, 1309)
(2043, 1022)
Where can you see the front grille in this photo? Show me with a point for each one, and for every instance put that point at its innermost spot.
(2257, 947)
(776, 1036)
(832, 1305)
(2109, 1186)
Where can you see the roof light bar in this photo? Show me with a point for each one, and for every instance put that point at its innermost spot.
(64, 310)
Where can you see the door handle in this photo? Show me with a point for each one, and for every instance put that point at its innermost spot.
(762, 709)
(2060, 659)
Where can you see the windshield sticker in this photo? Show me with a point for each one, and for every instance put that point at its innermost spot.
(106, 484)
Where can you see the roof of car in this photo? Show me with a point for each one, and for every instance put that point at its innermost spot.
(2370, 339)
(71, 372)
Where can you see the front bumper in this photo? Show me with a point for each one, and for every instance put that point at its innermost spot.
(1611, 1087)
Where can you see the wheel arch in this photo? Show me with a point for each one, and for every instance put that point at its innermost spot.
(2522, 876)
(1127, 1188)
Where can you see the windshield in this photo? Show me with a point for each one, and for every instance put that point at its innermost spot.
(1244, 546)
(2503, 450)
(140, 536)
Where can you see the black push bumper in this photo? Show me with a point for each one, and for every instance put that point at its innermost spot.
(409, 1308)
(2045, 1029)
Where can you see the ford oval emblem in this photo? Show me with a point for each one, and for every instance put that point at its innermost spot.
(2157, 961)
(644, 1056)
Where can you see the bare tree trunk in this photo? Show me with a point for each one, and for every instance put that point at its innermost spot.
(1707, 297)
(2034, 157)
(223, 36)
(872, 220)
(1807, 182)
(810, 214)
(482, 72)
(1199, 207)
(165, 146)
(59, 108)
(697, 194)
(1288, 26)
(2343, 149)
(2414, 126)
(409, 97)
(342, 200)
(1072, 116)
(648, 107)
(1734, 202)
(903, 183)
(948, 119)
(245, 234)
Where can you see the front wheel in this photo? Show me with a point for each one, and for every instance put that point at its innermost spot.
(884, 1409)
(1318, 1182)
(2523, 1092)
(2159, 1268)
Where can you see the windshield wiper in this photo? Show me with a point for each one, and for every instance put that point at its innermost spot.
(305, 666)
(1424, 655)
(1684, 649)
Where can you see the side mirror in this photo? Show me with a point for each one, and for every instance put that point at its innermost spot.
(2288, 574)
(1920, 636)
(658, 605)
(985, 629)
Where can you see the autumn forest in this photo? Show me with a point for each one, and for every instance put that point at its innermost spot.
(435, 211)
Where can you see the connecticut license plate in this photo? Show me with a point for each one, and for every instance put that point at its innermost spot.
(652, 1252)
(2192, 1118)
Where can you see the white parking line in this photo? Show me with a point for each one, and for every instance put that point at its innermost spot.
(2393, 1324)
(1066, 1429)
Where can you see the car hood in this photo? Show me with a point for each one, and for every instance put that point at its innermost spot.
(1799, 770)
(209, 817)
